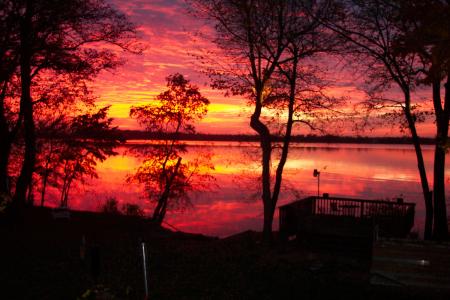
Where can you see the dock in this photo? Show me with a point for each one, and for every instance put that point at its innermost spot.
(389, 218)
(344, 226)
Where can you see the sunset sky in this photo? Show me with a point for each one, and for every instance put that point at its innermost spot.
(168, 33)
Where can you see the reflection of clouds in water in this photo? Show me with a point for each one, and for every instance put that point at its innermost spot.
(220, 218)
(235, 205)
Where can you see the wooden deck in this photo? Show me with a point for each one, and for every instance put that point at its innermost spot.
(390, 219)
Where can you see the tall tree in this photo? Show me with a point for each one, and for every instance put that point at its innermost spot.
(427, 34)
(59, 100)
(265, 44)
(167, 179)
(9, 64)
(55, 36)
(370, 32)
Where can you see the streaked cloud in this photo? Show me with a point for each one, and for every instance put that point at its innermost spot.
(168, 34)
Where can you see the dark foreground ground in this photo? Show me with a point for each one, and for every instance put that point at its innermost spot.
(46, 258)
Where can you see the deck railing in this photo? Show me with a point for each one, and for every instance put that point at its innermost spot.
(360, 208)
(394, 218)
(344, 207)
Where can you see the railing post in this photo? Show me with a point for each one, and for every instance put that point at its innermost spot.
(361, 213)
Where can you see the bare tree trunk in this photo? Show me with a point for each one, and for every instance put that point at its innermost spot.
(5, 145)
(7, 136)
(290, 122)
(266, 147)
(65, 193)
(266, 186)
(269, 210)
(163, 211)
(442, 118)
(44, 187)
(26, 107)
(30, 193)
(67, 182)
(287, 137)
(157, 211)
(160, 210)
(440, 208)
(5, 151)
(46, 174)
(427, 195)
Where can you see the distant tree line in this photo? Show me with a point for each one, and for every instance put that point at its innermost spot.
(309, 138)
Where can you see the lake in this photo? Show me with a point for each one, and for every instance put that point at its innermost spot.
(232, 202)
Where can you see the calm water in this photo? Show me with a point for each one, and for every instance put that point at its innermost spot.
(232, 203)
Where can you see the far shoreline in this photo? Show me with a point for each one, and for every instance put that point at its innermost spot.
(330, 139)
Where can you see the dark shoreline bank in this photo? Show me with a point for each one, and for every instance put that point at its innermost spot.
(41, 258)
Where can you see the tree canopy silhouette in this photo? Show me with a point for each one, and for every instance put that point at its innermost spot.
(405, 43)
(52, 38)
(267, 49)
(166, 177)
(427, 36)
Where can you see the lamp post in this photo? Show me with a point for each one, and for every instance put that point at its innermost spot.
(317, 174)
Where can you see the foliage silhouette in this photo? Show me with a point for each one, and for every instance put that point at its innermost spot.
(50, 38)
(70, 154)
(393, 42)
(168, 179)
(426, 35)
(266, 47)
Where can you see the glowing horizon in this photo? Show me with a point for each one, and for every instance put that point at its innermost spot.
(167, 32)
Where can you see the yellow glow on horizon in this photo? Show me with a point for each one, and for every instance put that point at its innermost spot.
(224, 107)
(119, 163)
(118, 110)
(215, 110)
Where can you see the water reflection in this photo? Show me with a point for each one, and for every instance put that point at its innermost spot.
(169, 179)
(362, 171)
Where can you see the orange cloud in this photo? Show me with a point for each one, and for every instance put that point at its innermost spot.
(168, 32)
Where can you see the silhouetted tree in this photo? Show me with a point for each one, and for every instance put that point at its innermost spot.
(90, 139)
(265, 47)
(373, 32)
(55, 36)
(111, 206)
(65, 97)
(10, 122)
(134, 210)
(48, 161)
(427, 31)
(166, 178)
